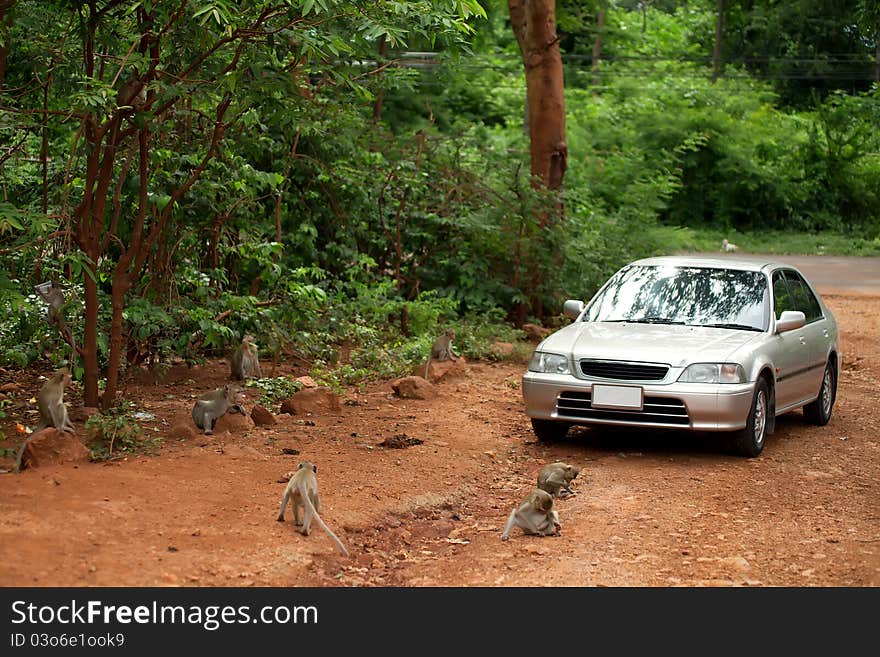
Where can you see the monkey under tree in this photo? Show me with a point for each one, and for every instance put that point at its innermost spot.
(53, 412)
(245, 363)
(442, 349)
(302, 491)
(213, 405)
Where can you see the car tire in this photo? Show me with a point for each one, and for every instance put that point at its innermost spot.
(750, 441)
(550, 429)
(818, 412)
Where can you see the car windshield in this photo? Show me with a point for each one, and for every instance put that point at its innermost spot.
(693, 296)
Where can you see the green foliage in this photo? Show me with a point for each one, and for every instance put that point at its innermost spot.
(360, 198)
(274, 390)
(115, 433)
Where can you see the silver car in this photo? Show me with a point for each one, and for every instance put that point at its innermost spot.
(706, 344)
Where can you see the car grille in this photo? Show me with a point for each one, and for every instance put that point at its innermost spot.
(623, 371)
(657, 410)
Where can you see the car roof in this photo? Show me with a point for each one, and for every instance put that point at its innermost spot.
(745, 263)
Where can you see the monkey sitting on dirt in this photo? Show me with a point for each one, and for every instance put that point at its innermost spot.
(245, 363)
(442, 349)
(53, 412)
(534, 516)
(556, 478)
(302, 491)
(215, 404)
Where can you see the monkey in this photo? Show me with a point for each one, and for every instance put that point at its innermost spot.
(302, 490)
(54, 296)
(245, 364)
(213, 405)
(53, 412)
(535, 515)
(728, 247)
(556, 478)
(133, 93)
(442, 349)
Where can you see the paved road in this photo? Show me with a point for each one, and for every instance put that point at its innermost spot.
(832, 272)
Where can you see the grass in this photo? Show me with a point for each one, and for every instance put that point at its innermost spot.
(770, 242)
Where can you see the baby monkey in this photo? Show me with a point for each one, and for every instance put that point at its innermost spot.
(534, 516)
(245, 363)
(556, 478)
(213, 405)
(442, 349)
(302, 491)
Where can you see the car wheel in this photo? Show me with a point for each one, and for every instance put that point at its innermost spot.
(750, 440)
(550, 429)
(819, 412)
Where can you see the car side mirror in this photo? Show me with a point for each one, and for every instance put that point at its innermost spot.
(790, 320)
(574, 307)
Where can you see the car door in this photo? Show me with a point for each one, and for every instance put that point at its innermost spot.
(815, 331)
(790, 351)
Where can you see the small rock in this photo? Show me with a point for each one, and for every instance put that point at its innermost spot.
(262, 416)
(413, 387)
(83, 413)
(234, 423)
(185, 431)
(51, 446)
(10, 387)
(439, 370)
(290, 451)
(312, 400)
(307, 381)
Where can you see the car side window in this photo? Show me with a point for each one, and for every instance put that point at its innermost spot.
(781, 296)
(802, 297)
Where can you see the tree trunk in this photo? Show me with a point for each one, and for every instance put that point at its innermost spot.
(534, 24)
(716, 53)
(597, 49)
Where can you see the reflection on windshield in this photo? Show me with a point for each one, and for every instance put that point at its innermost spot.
(684, 295)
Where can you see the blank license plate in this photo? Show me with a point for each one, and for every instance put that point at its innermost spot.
(630, 397)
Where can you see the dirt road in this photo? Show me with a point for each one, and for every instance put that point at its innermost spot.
(651, 510)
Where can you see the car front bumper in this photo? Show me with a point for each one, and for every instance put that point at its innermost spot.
(693, 406)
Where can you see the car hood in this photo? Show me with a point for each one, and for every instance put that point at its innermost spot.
(675, 345)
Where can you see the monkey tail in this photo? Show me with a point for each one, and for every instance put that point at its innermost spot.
(307, 500)
(427, 365)
(20, 456)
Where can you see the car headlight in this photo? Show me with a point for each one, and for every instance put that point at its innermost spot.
(713, 373)
(549, 363)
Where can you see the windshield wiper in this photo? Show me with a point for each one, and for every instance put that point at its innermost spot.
(741, 327)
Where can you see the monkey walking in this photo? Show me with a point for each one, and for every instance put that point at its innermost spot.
(53, 412)
(213, 405)
(442, 349)
(245, 363)
(302, 490)
(556, 478)
(535, 515)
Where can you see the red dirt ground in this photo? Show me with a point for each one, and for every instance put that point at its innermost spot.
(651, 510)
